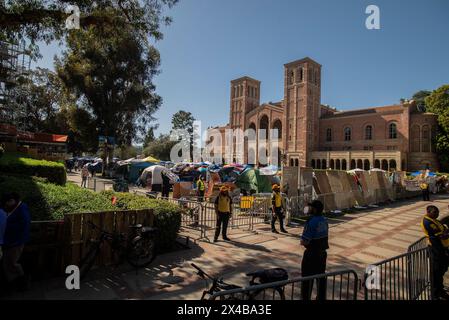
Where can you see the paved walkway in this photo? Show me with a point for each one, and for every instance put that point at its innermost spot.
(356, 240)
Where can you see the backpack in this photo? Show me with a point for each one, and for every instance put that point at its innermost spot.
(270, 275)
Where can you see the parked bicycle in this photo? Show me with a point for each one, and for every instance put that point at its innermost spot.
(138, 248)
(258, 277)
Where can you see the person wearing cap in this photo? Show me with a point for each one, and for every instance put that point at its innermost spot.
(437, 236)
(277, 208)
(223, 209)
(315, 238)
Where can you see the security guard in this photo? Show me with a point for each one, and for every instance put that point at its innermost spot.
(223, 209)
(425, 191)
(277, 208)
(201, 187)
(315, 239)
(438, 238)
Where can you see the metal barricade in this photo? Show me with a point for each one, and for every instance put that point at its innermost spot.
(338, 285)
(420, 244)
(404, 277)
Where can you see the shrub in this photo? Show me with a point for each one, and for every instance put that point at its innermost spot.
(167, 216)
(51, 202)
(12, 163)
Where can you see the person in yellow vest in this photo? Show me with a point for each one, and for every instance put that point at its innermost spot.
(201, 188)
(438, 238)
(223, 209)
(277, 208)
(425, 190)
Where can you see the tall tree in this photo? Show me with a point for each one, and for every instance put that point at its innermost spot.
(160, 148)
(438, 103)
(420, 98)
(183, 120)
(45, 20)
(110, 71)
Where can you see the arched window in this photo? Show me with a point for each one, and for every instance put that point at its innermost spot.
(347, 132)
(353, 164)
(313, 165)
(393, 131)
(415, 138)
(338, 164)
(366, 165)
(369, 132)
(296, 163)
(332, 164)
(318, 164)
(301, 74)
(329, 135)
(425, 138)
(323, 164)
(344, 165)
(377, 164)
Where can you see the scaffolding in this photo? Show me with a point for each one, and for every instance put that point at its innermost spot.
(15, 63)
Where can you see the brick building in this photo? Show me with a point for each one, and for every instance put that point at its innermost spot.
(315, 135)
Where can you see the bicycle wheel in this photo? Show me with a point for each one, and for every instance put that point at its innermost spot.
(141, 252)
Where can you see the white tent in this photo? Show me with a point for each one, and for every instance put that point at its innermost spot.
(156, 174)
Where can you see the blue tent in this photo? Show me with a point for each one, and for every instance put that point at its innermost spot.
(417, 173)
(136, 169)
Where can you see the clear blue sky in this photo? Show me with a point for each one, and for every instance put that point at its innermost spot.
(214, 41)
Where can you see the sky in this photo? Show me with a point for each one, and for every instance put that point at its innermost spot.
(211, 42)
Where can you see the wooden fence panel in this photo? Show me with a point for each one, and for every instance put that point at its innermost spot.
(57, 244)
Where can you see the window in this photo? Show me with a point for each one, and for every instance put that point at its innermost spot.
(369, 133)
(347, 134)
(329, 134)
(301, 74)
(392, 131)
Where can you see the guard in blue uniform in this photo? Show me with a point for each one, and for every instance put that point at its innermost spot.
(315, 239)
(437, 236)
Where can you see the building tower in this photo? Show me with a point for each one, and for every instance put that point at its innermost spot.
(302, 100)
(245, 97)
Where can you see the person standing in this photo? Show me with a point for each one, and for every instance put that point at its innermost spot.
(17, 234)
(201, 188)
(315, 239)
(277, 208)
(2, 230)
(165, 185)
(425, 190)
(223, 210)
(84, 176)
(438, 239)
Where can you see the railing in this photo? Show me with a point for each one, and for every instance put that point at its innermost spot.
(405, 277)
(338, 285)
(420, 244)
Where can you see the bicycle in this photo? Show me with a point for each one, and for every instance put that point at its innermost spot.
(138, 248)
(257, 278)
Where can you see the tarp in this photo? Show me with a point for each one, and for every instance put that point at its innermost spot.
(251, 179)
(136, 169)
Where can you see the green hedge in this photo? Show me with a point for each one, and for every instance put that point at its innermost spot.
(167, 215)
(50, 202)
(12, 163)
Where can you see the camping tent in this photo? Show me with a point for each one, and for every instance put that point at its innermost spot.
(136, 168)
(151, 159)
(251, 179)
(156, 174)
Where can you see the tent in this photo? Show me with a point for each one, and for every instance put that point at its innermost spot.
(136, 168)
(251, 179)
(151, 159)
(156, 174)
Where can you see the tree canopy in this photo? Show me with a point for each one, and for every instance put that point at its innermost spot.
(45, 20)
(438, 102)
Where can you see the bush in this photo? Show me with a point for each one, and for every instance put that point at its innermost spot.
(54, 172)
(51, 202)
(167, 216)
